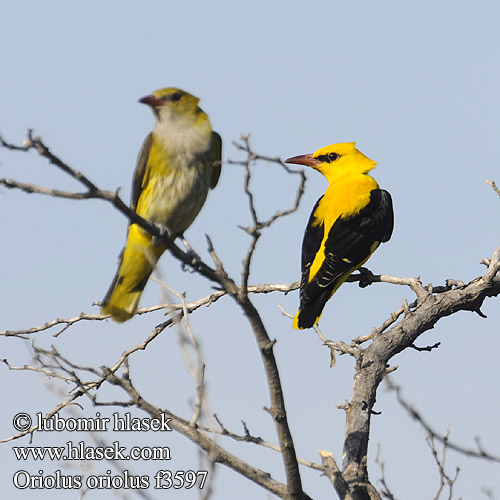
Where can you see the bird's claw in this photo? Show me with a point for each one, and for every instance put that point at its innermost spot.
(192, 258)
(365, 277)
(157, 239)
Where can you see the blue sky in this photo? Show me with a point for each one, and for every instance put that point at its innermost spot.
(416, 86)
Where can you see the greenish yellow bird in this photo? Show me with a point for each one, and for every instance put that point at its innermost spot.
(179, 162)
(346, 226)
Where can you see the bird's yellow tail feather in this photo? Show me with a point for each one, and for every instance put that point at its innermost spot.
(137, 262)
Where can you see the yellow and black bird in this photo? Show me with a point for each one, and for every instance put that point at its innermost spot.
(346, 226)
(178, 164)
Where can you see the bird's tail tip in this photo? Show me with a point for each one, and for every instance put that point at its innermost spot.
(302, 320)
(120, 312)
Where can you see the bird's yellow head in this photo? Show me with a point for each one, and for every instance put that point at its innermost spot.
(336, 161)
(171, 103)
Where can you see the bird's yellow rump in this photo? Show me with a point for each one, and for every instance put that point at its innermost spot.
(346, 226)
(177, 165)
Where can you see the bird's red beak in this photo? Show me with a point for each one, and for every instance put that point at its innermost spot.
(151, 100)
(307, 160)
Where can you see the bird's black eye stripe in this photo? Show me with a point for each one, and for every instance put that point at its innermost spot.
(176, 96)
(329, 158)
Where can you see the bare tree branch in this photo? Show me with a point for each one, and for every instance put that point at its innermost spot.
(109, 375)
(253, 157)
(335, 476)
(479, 452)
(215, 296)
(444, 478)
(49, 324)
(198, 371)
(190, 307)
(216, 453)
(372, 366)
(427, 348)
(255, 230)
(247, 437)
(240, 295)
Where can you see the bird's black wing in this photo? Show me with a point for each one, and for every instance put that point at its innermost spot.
(215, 157)
(140, 170)
(313, 236)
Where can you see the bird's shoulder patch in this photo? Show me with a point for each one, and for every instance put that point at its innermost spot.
(372, 225)
(379, 207)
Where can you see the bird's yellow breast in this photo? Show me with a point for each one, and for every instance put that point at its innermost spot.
(345, 198)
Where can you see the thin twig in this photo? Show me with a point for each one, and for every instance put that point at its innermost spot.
(198, 372)
(444, 478)
(494, 186)
(247, 437)
(386, 492)
(255, 229)
(479, 452)
(190, 306)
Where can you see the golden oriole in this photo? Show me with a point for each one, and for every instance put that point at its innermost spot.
(346, 226)
(177, 165)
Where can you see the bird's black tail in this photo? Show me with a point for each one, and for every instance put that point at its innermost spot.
(308, 314)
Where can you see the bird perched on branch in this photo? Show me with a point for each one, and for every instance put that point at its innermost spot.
(346, 226)
(177, 165)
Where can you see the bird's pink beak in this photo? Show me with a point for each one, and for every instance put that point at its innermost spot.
(151, 100)
(307, 160)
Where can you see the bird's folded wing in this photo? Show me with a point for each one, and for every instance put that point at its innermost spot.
(140, 171)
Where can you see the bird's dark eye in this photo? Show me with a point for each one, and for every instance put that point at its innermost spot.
(329, 158)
